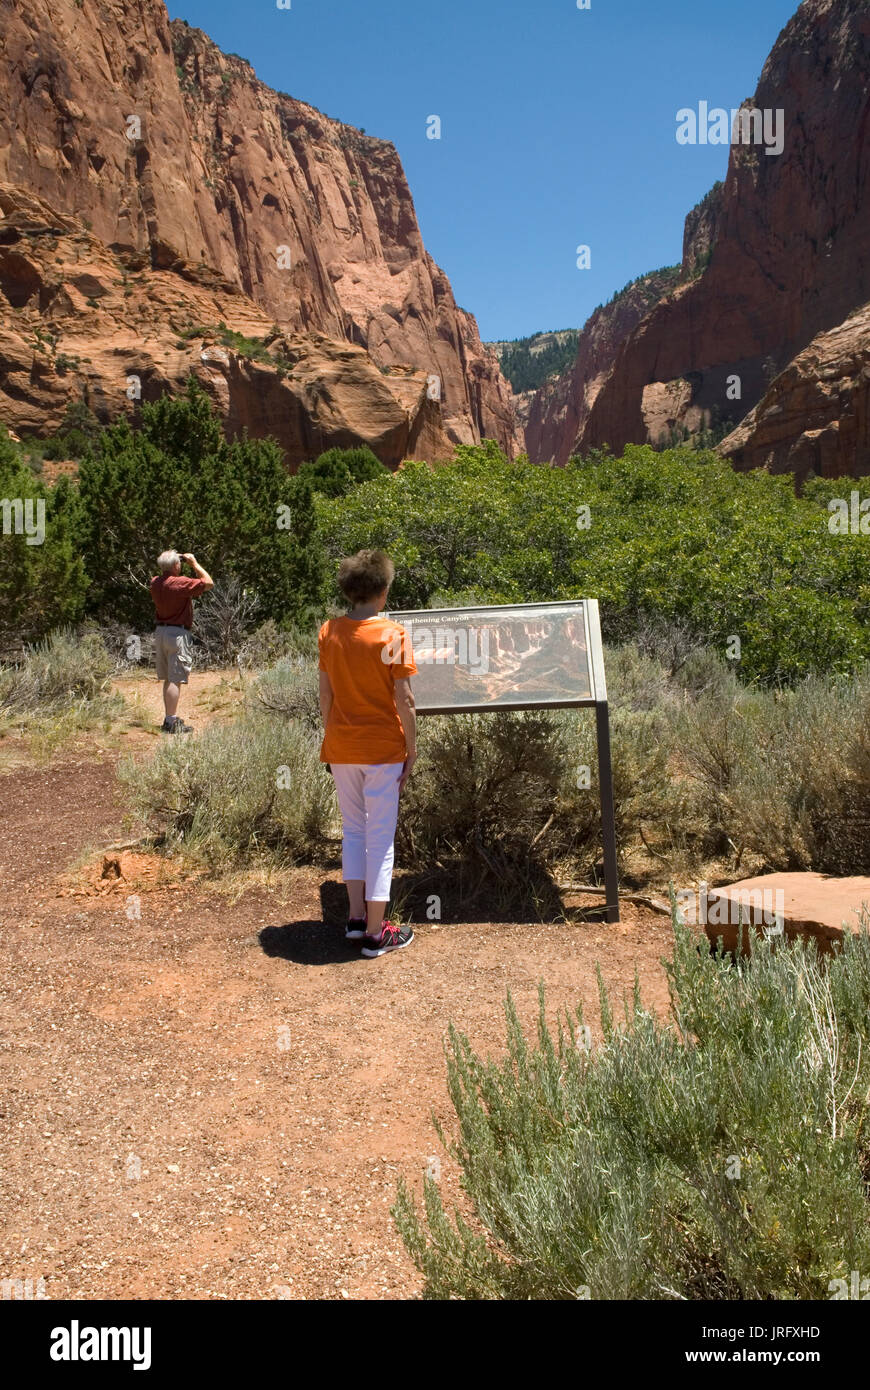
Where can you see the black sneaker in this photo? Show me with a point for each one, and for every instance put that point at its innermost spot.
(177, 726)
(391, 939)
(355, 929)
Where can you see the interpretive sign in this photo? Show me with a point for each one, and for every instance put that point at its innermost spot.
(512, 657)
(505, 657)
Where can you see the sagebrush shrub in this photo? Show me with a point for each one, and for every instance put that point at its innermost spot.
(270, 644)
(483, 782)
(719, 1154)
(64, 669)
(226, 617)
(237, 791)
(289, 690)
(784, 774)
(704, 769)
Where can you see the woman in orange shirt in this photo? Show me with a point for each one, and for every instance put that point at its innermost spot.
(370, 741)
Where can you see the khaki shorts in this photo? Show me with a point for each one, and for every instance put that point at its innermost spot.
(172, 654)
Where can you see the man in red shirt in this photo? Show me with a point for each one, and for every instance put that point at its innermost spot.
(173, 594)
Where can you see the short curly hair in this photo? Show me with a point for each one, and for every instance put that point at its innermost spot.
(167, 561)
(364, 575)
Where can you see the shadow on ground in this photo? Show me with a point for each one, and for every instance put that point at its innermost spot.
(460, 892)
(440, 898)
(315, 943)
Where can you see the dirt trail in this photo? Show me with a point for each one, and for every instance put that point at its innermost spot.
(208, 696)
(213, 1099)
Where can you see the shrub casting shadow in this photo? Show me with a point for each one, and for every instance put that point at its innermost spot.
(466, 897)
(471, 893)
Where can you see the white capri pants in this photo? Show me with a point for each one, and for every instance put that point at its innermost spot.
(368, 795)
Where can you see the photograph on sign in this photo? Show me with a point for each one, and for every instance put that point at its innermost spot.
(506, 656)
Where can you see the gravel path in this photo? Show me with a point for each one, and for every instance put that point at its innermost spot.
(215, 1099)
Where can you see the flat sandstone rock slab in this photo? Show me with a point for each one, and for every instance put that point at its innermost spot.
(817, 905)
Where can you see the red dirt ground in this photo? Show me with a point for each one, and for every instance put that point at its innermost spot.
(215, 1099)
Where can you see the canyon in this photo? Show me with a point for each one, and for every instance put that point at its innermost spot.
(164, 213)
(158, 199)
(771, 301)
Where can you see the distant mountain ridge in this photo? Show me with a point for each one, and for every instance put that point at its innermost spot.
(528, 362)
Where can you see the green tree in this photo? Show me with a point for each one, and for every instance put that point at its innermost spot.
(42, 576)
(672, 535)
(526, 369)
(337, 471)
(177, 482)
(78, 430)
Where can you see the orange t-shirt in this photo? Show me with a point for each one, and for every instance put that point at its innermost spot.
(363, 657)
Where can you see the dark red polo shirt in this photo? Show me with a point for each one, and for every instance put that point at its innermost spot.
(173, 596)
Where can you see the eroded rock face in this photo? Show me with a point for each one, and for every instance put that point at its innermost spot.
(815, 417)
(783, 250)
(559, 412)
(95, 323)
(701, 231)
(169, 150)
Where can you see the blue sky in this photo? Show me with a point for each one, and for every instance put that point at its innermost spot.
(558, 125)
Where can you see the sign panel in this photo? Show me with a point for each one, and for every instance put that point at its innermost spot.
(522, 656)
(518, 656)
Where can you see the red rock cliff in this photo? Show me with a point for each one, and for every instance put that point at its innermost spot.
(783, 250)
(560, 409)
(164, 147)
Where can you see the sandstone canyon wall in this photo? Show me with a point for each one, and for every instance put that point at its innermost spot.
(559, 411)
(152, 186)
(815, 416)
(783, 251)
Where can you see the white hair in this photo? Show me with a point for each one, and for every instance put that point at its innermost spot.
(167, 561)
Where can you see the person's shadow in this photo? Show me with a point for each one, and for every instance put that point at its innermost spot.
(315, 943)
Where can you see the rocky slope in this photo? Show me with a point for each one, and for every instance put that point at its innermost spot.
(246, 205)
(783, 250)
(528, 364)
(700, 232)
(535, 343)
(815, 416)
(80, 319)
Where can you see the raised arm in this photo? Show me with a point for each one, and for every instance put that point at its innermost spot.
(199, 571)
